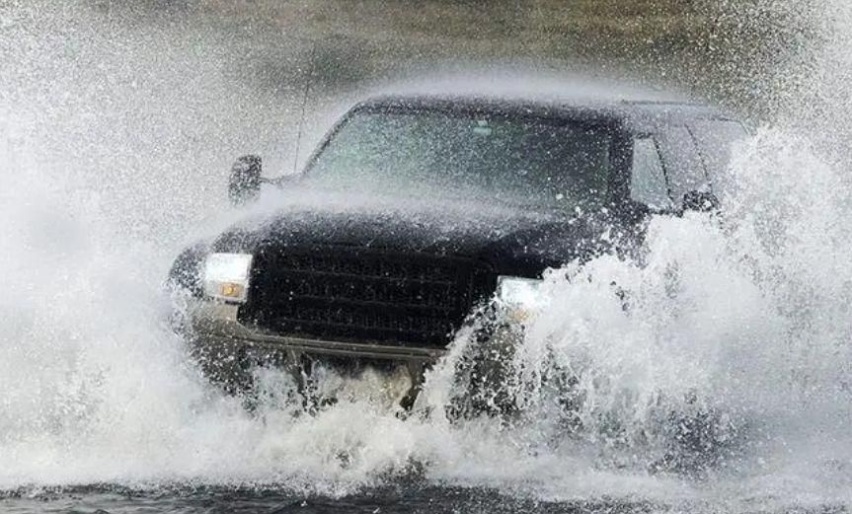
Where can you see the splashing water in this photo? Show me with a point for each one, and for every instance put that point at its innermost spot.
(743, 316)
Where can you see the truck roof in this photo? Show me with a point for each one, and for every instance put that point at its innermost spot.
(633, 113)
(570, 98)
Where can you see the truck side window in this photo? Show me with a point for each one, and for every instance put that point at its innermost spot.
(648, 179)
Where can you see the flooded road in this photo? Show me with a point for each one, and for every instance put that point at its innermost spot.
(117, 130)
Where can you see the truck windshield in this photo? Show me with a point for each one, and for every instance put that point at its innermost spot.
(517, 160)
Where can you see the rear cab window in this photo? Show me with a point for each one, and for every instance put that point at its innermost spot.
(682, 162)
(716, 140)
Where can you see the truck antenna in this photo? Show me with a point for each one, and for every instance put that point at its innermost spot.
(308, 81)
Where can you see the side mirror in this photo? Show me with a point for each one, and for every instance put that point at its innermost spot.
(244, 182)
(700, 201)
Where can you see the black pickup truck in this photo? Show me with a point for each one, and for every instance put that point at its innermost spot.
(470, 197)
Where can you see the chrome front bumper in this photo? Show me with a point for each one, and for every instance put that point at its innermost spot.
(216, 324)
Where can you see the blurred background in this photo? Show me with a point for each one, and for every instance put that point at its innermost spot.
(165, 92)
(714, 47)
(246, 75)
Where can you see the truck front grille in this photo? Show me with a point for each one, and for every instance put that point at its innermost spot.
(361, 294)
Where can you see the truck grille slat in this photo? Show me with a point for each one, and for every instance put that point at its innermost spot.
(370, 305)
(362, 294)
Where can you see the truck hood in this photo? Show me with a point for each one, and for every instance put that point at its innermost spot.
(513, 240)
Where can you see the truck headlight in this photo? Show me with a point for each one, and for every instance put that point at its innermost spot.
(522, 297)
(226, 276)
